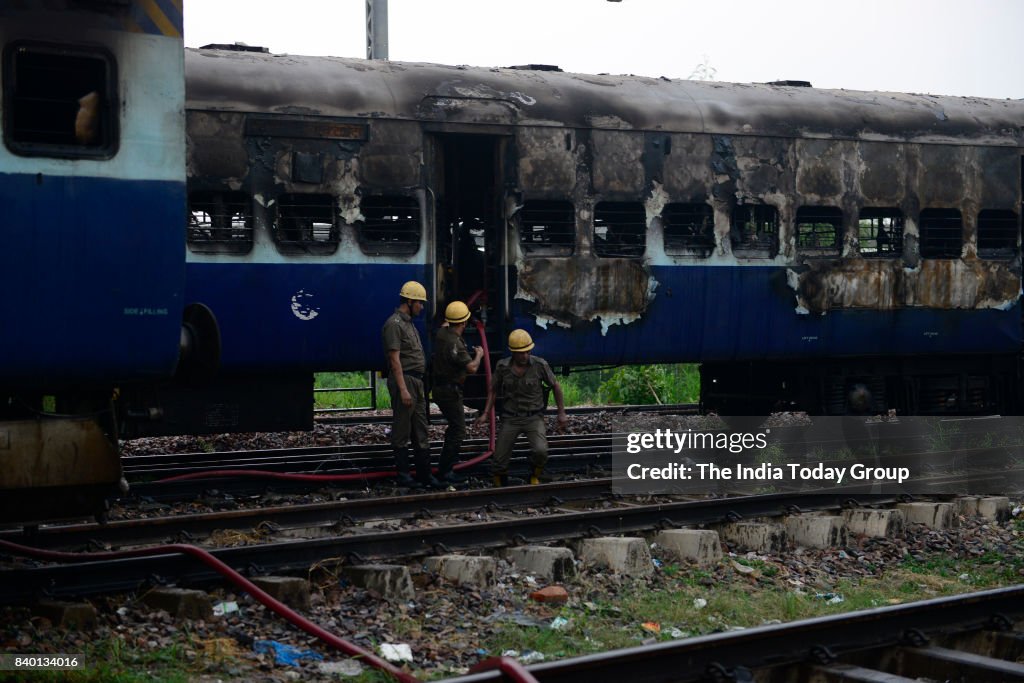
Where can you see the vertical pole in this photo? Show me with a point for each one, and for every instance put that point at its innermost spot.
(373, 390)
(376, 29)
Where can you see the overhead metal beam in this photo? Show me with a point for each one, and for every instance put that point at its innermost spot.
(376, 29)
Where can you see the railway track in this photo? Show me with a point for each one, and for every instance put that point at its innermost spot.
(326, 416)
(967, 638)
(576, 453)
(104, 576)
(335, 515)
(567, 454)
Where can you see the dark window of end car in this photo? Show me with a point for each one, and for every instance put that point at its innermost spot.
(60, 101)
(220, 222)
(997, 233)
(689, 229)
(942, 234)
(547, 227)
(305, 223)
(880, 232)
(620, 229)
(754, 231)
(390, 225)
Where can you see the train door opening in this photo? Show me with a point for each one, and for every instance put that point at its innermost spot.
(469, 219)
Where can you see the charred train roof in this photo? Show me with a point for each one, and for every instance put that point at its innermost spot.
(343, 87)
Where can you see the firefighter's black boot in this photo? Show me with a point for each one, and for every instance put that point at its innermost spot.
(402, 477)
(423, 474)
(445, 469)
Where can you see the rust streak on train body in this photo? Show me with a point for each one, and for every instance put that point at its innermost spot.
(888, 285)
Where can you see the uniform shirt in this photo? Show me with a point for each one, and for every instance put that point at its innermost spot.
(523, 394)
(401, 335)
(450, 358)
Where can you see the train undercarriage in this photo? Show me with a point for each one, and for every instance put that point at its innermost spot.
(939, 385)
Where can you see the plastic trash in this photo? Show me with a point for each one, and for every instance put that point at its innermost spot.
(699, 603)
(651, 627)
(531, 657)
(284, 653)
(558, 623)
(396, 652)
(222, 608)
(830, 598)
(346, 667)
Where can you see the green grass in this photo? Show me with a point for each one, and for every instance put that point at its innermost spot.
(633, 385)
(348, 399)
(742, 601)
(629, 385)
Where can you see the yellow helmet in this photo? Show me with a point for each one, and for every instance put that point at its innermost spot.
(519, 340)
(413, 290)
(457, 312)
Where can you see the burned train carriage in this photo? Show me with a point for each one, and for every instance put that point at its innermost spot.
(807, 246)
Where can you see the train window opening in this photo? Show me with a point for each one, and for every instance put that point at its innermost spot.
(59, 101)
(941, 233)
(754, 231)
(689, 229)
(305, 223)
(880, 233)
(997, 233)
(620, 229)
(819, 230)
(220, 222)
(390, 225)
(547, 226)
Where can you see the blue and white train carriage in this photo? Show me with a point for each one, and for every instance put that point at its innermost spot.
(830, 250)
(92, 185)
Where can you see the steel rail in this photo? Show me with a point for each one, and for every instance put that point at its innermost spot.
(344, 512)
(323, 417)
(355, 456)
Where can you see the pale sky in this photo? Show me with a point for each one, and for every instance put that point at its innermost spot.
(943, 47)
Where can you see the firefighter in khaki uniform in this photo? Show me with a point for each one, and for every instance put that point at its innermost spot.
(406, 365)
(452, 363)
(522, 381)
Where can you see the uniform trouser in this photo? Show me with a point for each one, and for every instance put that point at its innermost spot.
(449, 400)
(408, 422)
(511, 427)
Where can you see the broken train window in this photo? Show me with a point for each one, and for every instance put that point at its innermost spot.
(689, 229)
(547, 227)
(880, 232)
(997, 233)
(941, 233)
(305, 223)
(390, 225)
(60, 101)
(220, 222)
(819, 230)
(620, 229)
(754, 231)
